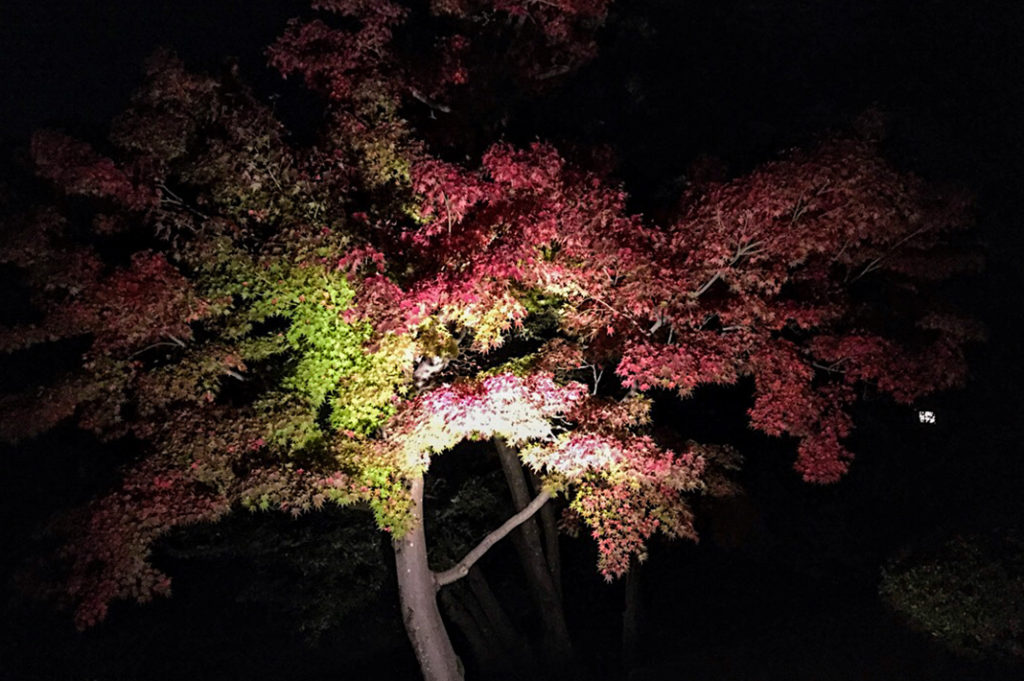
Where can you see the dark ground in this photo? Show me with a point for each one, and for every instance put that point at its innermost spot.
(783, 586)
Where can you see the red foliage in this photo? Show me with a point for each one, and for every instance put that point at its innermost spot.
(756, 277)
(642, 495)
(764, 277)
(337, 62)
(109, 558)
(77, 169)
(150, 291)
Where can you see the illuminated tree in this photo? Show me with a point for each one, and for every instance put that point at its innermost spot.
(281, 327)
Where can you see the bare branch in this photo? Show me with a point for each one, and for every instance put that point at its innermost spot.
(151, 347)
(169, 197)
(877, 262)
(436, 106)
(743, 250)
(461, 569)
(172, 341)
(831, 368)
(708, 284)
(556, 71)
(447, 211)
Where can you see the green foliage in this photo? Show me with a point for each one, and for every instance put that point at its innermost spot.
(968, 593)
(544, 313)
(383, 488)
(288, 305)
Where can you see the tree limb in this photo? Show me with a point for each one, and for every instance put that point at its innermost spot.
(876, 263)
(743, 250)
(436, 106)
(461, 569)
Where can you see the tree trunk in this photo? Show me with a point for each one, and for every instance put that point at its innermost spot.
(527, 540)
(418, 593)
(550, 527)
(515, 645)
(631, 617)
(490, 662)
(501, 654)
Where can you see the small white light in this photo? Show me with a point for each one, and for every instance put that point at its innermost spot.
(926, 416)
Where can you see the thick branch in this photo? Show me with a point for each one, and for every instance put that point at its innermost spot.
(461, 569)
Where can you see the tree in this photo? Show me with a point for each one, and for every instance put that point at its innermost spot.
(281, 326)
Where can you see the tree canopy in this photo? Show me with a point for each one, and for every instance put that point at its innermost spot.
(281, 325)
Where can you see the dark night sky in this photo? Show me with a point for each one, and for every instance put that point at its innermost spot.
(740, 80)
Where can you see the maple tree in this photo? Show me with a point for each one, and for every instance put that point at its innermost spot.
(282, 326)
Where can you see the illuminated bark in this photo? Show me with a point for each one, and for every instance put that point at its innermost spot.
(418, 592)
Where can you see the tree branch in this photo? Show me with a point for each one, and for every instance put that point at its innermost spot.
(556, 71)
(461, 569)
(876, 263)
(743, 250)
(436, 106)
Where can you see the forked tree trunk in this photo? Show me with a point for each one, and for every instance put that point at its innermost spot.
(418, 587)
(530, 547)
(417, 590)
